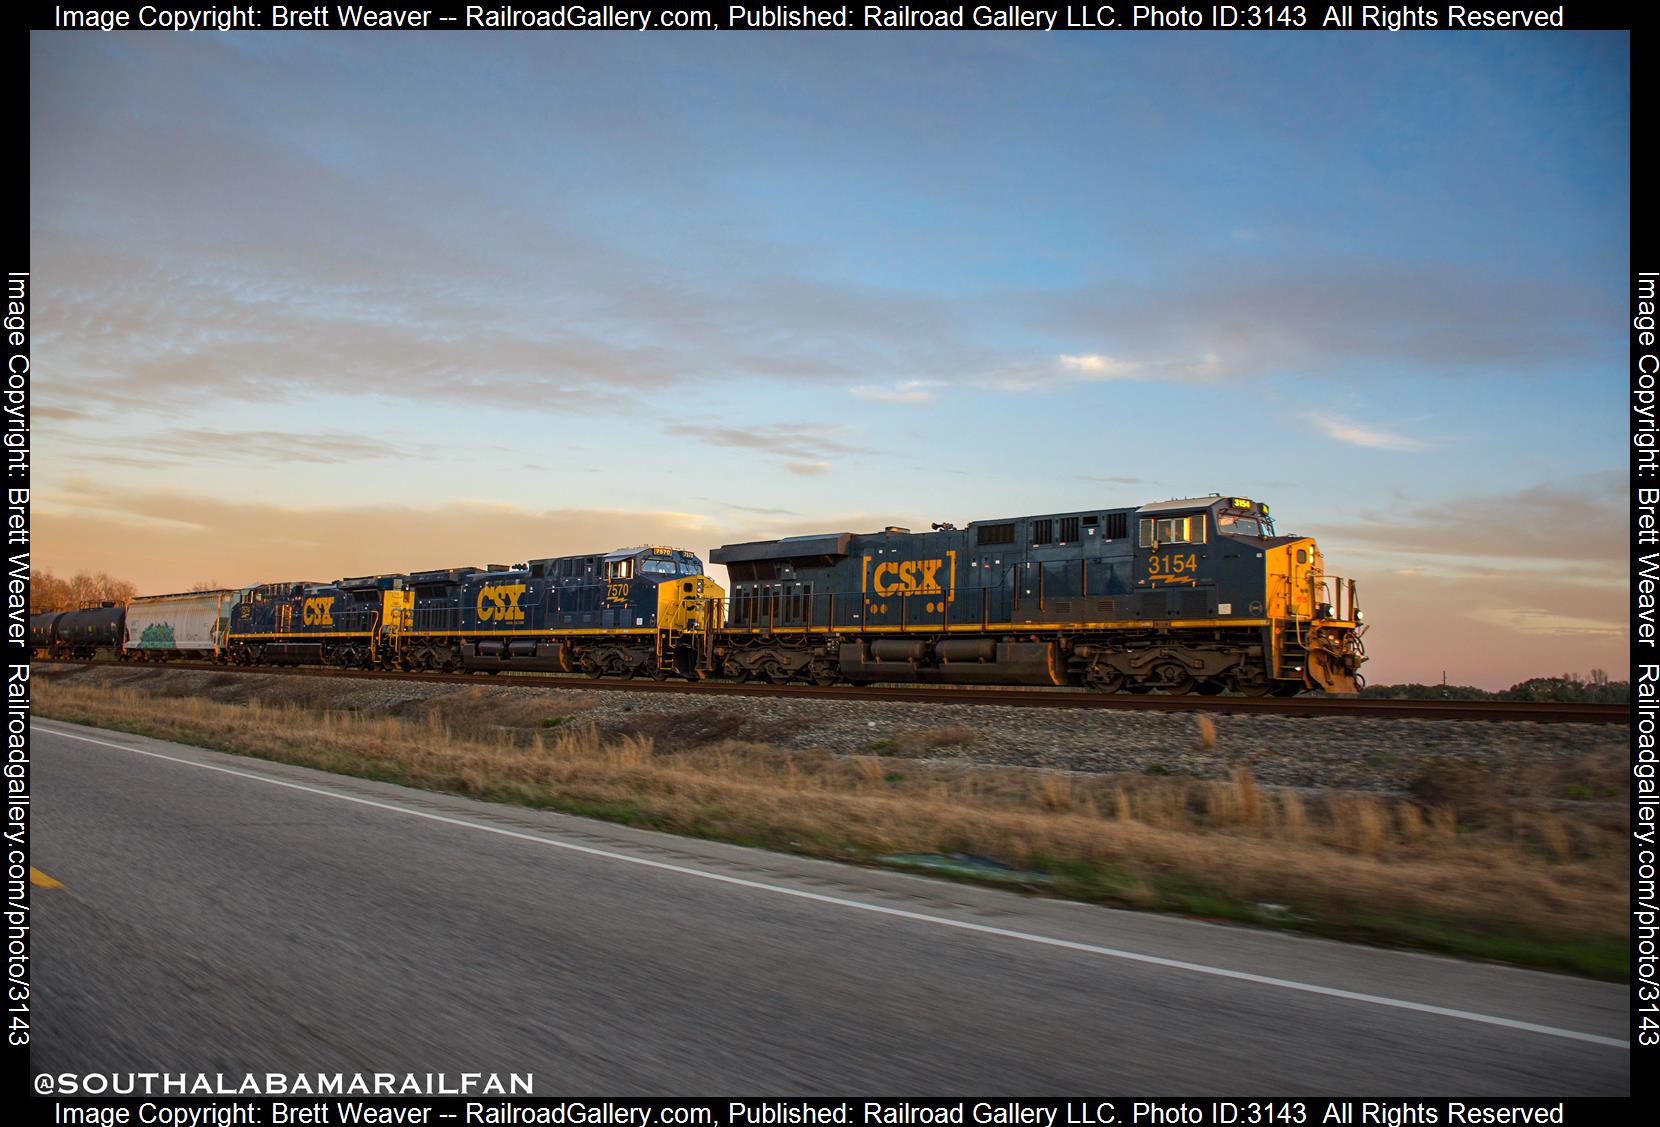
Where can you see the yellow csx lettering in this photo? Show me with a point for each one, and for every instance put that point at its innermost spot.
(318, 612)
(501, 603)
(915, 577)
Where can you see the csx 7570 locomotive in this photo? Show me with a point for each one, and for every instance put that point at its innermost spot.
(1197, 595)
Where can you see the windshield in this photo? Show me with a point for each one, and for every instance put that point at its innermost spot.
(1240, 526)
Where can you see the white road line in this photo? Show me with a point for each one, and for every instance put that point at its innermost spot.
(920, 917)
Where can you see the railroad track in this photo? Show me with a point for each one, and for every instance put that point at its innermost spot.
(1535, 712)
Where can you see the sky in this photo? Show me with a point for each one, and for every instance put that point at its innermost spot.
(311, 304)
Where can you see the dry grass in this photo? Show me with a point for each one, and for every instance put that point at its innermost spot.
(1538, 885)
(1207, 732)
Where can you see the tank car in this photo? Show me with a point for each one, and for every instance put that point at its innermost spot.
(43, 632)
(88, 632)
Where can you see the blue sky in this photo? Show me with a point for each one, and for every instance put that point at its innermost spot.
(337, 303)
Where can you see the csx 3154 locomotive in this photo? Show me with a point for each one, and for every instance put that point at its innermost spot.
(1198, 595)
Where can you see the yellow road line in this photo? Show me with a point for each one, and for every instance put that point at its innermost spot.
(41, 880)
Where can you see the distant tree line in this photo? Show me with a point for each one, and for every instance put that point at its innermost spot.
(85, 588)
(1567, 688)
(88, 589)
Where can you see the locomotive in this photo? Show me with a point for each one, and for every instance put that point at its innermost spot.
(635, 611)
(1196, 595)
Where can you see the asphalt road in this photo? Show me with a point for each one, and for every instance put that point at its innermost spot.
(225, 915)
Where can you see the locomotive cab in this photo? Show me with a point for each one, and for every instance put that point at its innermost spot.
(1219, 562)
(1315, 622)
(678, 599)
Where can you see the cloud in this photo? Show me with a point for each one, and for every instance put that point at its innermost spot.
(1538, 527)
(794, 439)
(59, 414)
(1067, 370)
(1356, 434)
(1097, 367)
(808, 469)
(754, 510)
(1247, 318)
(1551, 623)
(166, 449)
(905, 391)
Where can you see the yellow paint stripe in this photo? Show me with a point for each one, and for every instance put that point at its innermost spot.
(553, 633)
(303, 637)
(1007, 627)
(41, 880)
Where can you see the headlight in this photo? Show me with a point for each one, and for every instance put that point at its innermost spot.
(1360, 616)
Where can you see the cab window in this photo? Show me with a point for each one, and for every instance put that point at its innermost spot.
(620, 569)
(1238, 526)
(1156, 532)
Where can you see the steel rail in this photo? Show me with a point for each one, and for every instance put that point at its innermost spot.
(1541, 712)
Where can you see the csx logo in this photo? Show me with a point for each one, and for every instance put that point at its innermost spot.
(501, 603)
(318, 612)
(915, 577)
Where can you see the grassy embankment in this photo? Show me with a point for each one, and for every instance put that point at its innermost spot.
(1525, 867)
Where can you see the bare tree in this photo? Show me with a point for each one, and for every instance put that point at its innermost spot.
(48, 593)
(92, 588)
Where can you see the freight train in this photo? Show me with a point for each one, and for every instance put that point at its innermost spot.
(1197, 595)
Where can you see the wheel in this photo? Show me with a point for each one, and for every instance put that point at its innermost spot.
(1289, 690)
(1172, 679)
(1209, 688)
(1103, 679)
